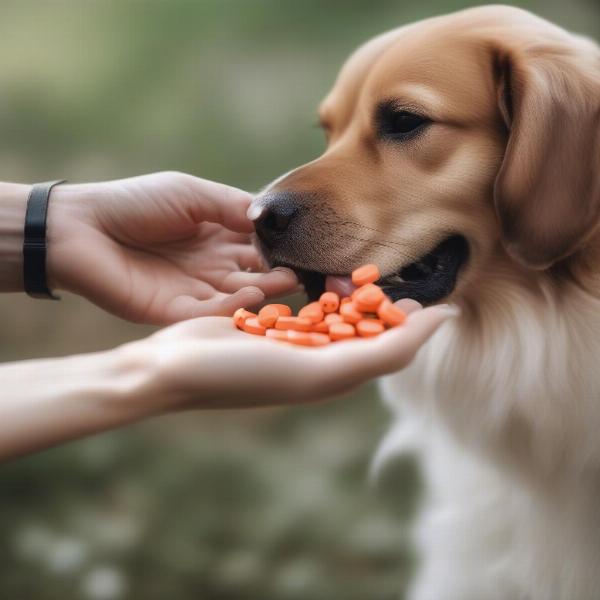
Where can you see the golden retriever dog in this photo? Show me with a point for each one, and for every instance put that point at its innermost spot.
(463, 158)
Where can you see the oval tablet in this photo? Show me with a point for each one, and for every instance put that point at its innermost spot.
(365, 274)
(252, 325)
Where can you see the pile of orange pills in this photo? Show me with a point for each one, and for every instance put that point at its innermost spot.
(366, 313)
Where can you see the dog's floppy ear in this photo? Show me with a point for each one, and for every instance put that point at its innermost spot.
(547, 192)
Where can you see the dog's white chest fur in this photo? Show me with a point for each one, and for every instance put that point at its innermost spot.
(507, 427)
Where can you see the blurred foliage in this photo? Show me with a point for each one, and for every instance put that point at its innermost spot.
(262, 505)
(275, 508)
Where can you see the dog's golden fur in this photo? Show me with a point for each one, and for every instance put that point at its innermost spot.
(505, 402)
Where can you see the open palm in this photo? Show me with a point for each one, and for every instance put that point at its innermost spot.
(208, 363)
(158, 248)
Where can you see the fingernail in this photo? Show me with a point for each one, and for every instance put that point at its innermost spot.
(452, 310)
(254, 211)
(284, 270)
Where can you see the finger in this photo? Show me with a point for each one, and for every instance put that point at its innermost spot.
(276, 282)
(188, 307)
(219, 203)
(234, 237)
(403, 342)
(245, 255)
(408, 305)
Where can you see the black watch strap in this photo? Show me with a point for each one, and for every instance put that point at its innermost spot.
(34, 242)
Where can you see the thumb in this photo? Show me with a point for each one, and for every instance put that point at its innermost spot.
(219, 203)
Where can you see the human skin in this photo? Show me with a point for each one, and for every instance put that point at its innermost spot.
(203, 363)
(155, 249)
(168, 248)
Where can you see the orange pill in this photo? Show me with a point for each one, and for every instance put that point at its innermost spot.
(277, 334)
(329, 302)
(320, 327)
(240, 316)
(365, 274)
(283, 309)
(267, 316)
(252, 325)
(303, 338)
(390, 314)
(349, 313)
(369, 327)
(341, 331)
(368, 297)
(269, 313)
(320, 339)
(312, 311)
(295, 323)
(333, 318)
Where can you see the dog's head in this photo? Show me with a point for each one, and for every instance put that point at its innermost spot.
(449, 142)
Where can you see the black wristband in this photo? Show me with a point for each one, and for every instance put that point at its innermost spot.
(34, 241)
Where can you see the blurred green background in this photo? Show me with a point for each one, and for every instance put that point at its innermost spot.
(262, 505)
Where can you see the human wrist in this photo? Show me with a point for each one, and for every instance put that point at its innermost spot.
(70, 210)
(179, 373)
(139, 390)
(157, 365)
(13, 206)
(116, 386)
(111, 384)
(70, 398)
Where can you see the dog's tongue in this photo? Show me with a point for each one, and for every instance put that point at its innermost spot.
(342, 286)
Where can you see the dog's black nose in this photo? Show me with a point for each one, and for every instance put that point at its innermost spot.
(277, 213)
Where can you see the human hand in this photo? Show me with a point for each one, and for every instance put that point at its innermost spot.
(208, 363)
(158, 248)
(196, 364)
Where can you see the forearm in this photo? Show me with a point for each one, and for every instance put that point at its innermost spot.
(46, 402)
(13, 203)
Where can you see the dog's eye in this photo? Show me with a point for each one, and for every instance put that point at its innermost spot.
(405, 122)
(399, 124)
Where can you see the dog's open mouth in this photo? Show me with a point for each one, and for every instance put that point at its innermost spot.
(427, 280)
